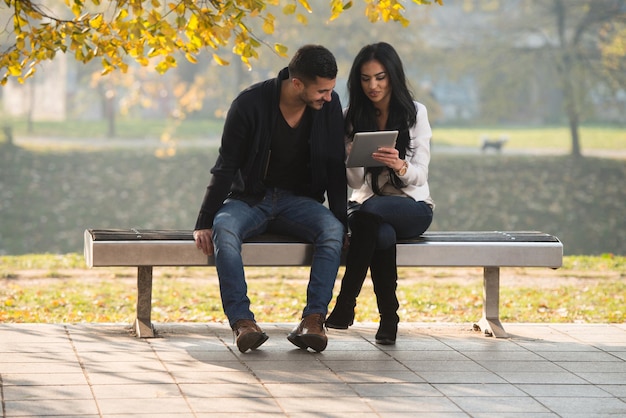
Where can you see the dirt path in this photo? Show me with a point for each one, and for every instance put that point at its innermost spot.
(509, 276)
(99, 143)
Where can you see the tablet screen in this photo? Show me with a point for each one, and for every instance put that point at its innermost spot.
(366, 143)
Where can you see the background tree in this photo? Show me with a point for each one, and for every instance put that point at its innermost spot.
(152, 32)
(574, 46)
(578, 47)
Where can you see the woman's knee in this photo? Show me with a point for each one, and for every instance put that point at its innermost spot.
(386, 237)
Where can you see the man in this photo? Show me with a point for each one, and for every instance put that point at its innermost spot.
(282, 150)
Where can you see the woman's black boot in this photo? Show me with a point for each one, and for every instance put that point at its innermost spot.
(384, 274)
(364, 233)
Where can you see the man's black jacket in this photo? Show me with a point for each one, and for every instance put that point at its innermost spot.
(244, 151)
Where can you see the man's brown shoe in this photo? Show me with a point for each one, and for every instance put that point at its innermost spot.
(249, 335)
(310, 333)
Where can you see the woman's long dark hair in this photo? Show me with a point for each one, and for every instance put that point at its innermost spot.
(361, 114)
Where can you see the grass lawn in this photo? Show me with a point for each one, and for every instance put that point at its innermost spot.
(48, 198)
(551, 137)
(592, 137)
(59, 289)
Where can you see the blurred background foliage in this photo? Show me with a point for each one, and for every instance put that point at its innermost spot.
(547, 74)
(48, 197)
(471, 62)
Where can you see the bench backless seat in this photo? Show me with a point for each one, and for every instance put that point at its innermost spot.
(491, 250)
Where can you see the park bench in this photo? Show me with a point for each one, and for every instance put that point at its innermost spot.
(146, 249)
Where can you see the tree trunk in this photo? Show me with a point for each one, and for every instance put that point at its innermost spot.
(573, 128)
(110, 115)
(567, 73)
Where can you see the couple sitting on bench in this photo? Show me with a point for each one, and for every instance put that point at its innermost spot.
(282, 150)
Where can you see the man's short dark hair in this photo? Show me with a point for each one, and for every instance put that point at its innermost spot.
(312, 61)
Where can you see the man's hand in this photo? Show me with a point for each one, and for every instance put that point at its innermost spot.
(204, 240)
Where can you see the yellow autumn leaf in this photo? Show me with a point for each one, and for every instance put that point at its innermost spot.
(30, 72)
(122, 14)
(302, 19)
(281, 49)
(192, 24)
(15, 69)
(191, 58)
(96, 22)
(268, 24)
(34, 14)
(289, 9)
(220, 60)
(76, 9)
(306, 5)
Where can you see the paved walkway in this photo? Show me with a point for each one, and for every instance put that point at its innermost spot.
(194, 370)
(99, 143)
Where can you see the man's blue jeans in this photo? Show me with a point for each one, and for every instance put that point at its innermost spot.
(279, 212)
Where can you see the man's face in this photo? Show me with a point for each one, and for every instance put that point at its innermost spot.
(315, 94)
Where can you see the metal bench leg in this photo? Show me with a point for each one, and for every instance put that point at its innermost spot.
(490, 322)
(143, 324)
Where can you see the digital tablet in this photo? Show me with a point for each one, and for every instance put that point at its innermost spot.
(366, 143)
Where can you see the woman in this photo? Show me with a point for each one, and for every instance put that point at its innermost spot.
(390, 202)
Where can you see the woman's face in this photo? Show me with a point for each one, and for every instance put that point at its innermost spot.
(375, 83)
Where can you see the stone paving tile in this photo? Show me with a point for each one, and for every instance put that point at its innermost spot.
(225, 390)
(205, 366)
(171, 406)
(480, 390)
(137, 391)
(571, 391)
(235, 406)
(604, 378)
(195, 377)
(280, 376)
(445, 366)
(370, 366)
(319, 390)
(94, 367)
(584, 407)
(336, 415)
(384, 376)
(45, 379)
(460, 377)
(51, 407)
(195, 370)
(617, 366)
(538, 366)
(38, 392)
(60, 367)
(413, 404)
(323, 405)
(123, 378)
(553, 378)
(239, 415)
(499, 404)
(368, 390)
(615, 390)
